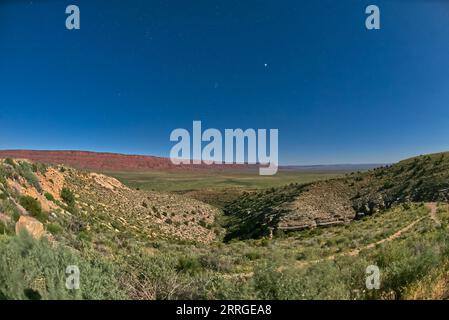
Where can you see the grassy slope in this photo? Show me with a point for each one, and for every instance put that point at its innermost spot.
(287, 267)
(424, 178)
(293, 266)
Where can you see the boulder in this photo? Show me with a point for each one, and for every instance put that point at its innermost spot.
(34, 227)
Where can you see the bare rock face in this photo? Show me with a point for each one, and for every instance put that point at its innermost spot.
(321, 204)
(31, 225)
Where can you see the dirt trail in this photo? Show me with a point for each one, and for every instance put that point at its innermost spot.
(432, 206)
(355, 252)
(433, 215)
(352, 253)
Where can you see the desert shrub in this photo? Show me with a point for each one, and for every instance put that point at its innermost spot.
(157, 278)
(216, 263)
(6, 229)
(33, 207)
(203, 223)
(39, 167)
(163, 277)
(49, 196)
(7, 206)
(84, 236)
(116, 225)
(321, 281)
(388, 185)
(68, 197)
(264, 242)
(6, 172)
(253, 255)
(54, 228)
(25, 169)
(301, 256)
(229, 288)
(268, 282)
(189, 265)
(10, 162)
(31, 269)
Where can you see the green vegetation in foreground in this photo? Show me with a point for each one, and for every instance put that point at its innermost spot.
(35, 270)
(286, 267)
(214, 187)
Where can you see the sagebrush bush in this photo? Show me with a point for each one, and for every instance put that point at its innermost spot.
(49, 196)
(9, 208)
(25, 169)
(188, 264)
(155, 278)
(31, 269)
(10, 162)
(33, 207)
(6, 229)
(54, 228)
(68, 196)
(216, 263)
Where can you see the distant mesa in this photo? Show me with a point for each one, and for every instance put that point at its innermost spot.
(105, 161)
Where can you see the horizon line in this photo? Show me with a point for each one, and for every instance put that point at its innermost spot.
(167, 158)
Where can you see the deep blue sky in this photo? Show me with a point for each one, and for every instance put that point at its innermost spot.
(139, 69)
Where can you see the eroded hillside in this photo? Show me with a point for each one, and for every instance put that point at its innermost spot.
(336, 201)
(73, 206)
